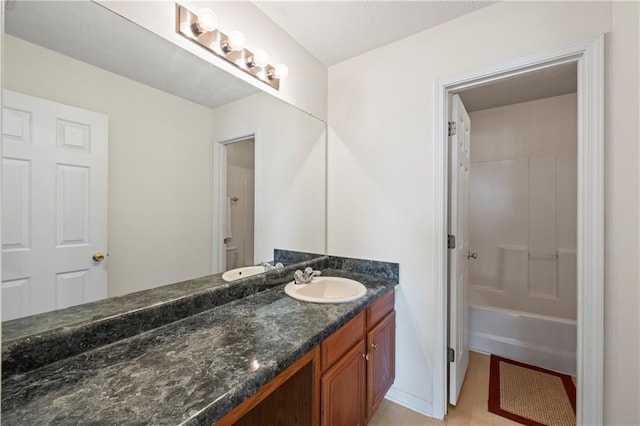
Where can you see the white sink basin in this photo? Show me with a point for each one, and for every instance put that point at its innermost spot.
(326, 290)
(244, 272)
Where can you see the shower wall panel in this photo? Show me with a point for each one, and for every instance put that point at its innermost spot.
(523, 196)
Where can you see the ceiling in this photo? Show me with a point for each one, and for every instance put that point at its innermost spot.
(333, 31)
(545, 83)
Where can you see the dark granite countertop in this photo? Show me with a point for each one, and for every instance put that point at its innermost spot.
(107, 308)
(154, 298)
(80, 315)
(192, 371)
(32, 342)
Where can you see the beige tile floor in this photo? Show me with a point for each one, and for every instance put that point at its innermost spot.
(470, 411)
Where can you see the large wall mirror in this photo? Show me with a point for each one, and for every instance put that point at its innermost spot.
(118, 143)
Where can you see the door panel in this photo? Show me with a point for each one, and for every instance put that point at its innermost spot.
(381, 364)
(16, 207)
(72, 205)
(15, 298)
(343, 390)
(460, 160)
(54, 186)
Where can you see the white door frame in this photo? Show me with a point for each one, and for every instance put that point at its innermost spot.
(589, 55)
(220, 200)
(1, 86)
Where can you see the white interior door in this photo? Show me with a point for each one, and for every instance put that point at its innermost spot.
(54, 205)
(460, 160)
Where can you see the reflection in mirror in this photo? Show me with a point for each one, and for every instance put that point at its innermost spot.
(117, 142)
(238, 231)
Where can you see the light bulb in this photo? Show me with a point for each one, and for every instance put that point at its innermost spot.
(280, 71)
(236, 41)
(259, 59)
(207, 20)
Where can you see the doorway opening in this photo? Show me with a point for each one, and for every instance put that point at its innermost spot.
(513, 212)
(239, 231)
(589, 57)
(236, 190)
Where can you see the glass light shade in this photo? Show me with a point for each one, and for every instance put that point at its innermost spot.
(281, 71)
(207, 20)
(236, 40)
(260, 58)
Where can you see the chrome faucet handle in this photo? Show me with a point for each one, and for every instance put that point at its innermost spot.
(305, 277)
(267, 266)
(298, 277)
(309, 272)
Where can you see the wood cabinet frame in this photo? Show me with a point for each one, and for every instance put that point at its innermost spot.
(374, 337)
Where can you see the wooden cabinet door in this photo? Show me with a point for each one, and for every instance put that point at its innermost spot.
(381, 364)
(343, 390)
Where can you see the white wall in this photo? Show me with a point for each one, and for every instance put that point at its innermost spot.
(160, 202)
(523, 206)
(381, 162)
(290, 170)
(306, 86)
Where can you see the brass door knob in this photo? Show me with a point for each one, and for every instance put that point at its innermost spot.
(374, 346)
(98, 257)
(473, 255)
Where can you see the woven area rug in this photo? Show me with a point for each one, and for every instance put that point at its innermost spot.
(531, 395)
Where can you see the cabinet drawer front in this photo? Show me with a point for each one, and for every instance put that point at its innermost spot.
(380, 308)
(341, 341)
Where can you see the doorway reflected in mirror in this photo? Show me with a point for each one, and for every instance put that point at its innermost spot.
(238, 238)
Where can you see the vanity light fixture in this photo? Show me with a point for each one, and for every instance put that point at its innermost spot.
(259, 59)
(202, 29)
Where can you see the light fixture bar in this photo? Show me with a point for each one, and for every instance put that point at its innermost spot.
(218, 43)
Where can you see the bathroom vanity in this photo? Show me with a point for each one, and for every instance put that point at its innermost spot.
(261, 355)
(341, 381)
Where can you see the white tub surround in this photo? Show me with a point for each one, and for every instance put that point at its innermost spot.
(539, 340)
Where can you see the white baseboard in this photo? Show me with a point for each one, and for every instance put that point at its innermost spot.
(409, 401)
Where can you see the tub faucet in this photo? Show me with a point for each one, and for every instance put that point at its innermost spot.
(305, 277)
(269, 267)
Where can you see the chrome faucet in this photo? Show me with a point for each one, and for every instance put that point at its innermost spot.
(305, 277)
(269, 267)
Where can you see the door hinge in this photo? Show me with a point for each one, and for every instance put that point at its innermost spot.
(451, 355)
(452, 128)
(451, 241)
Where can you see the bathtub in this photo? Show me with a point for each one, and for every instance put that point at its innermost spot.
(539, 340)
